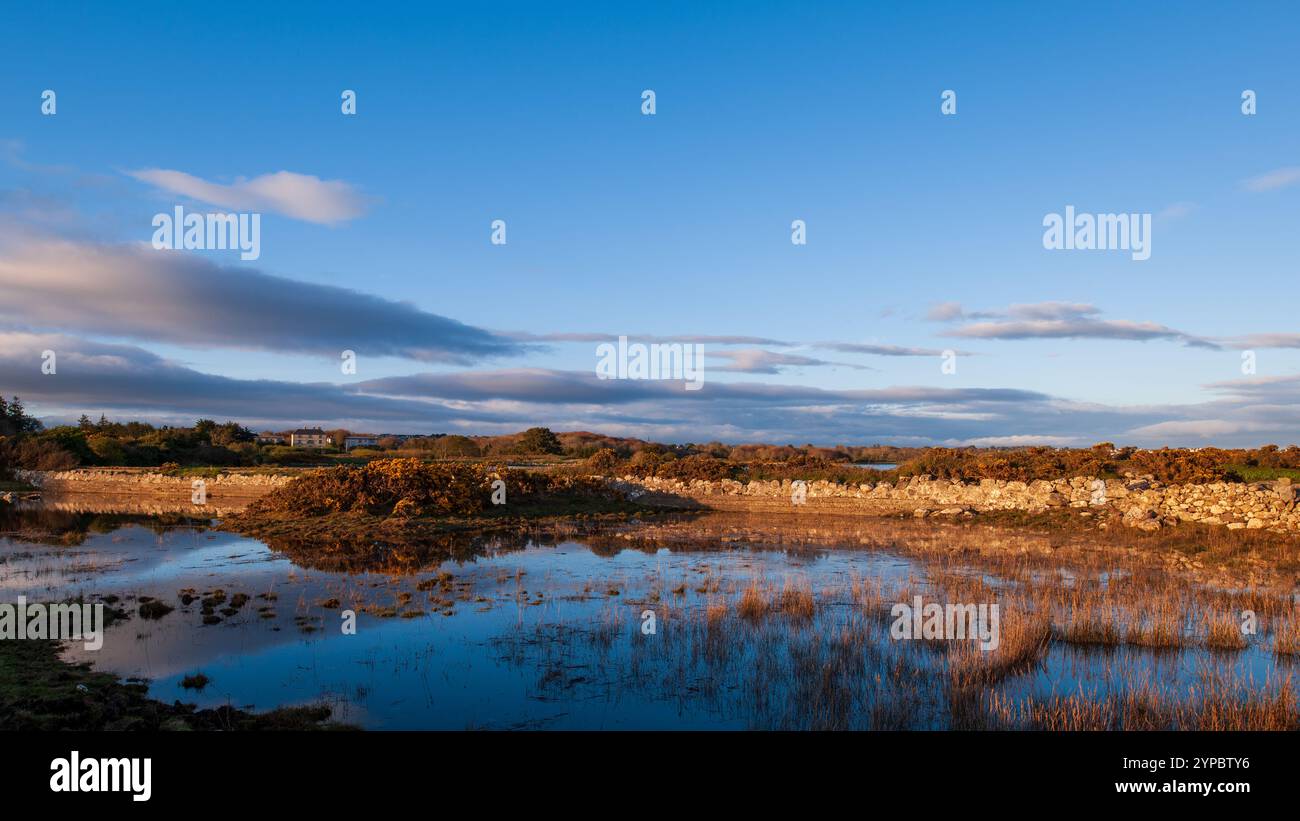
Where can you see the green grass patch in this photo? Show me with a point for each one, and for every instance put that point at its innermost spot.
(1262, 474)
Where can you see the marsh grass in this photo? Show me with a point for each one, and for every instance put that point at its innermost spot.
(754, 604)
(1224, 633)
(797, 601)
(751, 641)
(1286, 637)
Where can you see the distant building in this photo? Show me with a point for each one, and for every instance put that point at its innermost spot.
(268, 438)
(360, 440)
(310, 438)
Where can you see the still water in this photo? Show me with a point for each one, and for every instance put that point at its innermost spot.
(606, 630)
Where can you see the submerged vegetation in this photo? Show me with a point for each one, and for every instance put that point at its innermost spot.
(1088, 641)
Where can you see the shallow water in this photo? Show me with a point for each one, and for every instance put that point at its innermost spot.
(531, 633)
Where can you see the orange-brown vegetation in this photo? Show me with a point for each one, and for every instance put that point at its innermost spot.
(410, 487)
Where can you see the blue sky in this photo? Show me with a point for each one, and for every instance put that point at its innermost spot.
(677, 223)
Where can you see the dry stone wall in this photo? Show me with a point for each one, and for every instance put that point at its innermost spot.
(128, 482)
(1140, 501)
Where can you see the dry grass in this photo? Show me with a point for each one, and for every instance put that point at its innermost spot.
(1162, 629)
(1223, 634)
(1023, 642)
(1286, 637)
(754, 604)
(715, 612)
(785, 652)
(797, 602)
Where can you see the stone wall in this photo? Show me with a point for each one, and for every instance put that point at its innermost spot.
(1136, 501)
(128, 482)
(1139, 501)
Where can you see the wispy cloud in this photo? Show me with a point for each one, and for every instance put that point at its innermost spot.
(954, 312)
(879, 350)
(300, 196)
(756, 360)
(1265, 340)
(1079, 329)
(945, 312)
(1058, 320)
(560, 386)
(647, 339)
(1272, 180)
(1176, 211)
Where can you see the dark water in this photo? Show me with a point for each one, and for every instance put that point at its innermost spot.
(527, 631)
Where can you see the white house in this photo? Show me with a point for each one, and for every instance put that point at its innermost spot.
(310, 438)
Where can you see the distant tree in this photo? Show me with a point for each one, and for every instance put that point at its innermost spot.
(66, 438)
(339, 436)
(230, 433)
(203, 429)
(539, 440)
(450, 447)
(14, 420)
(107, 450)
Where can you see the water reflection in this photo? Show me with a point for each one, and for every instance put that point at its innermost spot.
(547, 627)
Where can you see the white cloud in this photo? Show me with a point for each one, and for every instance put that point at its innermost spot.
(300, 196)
